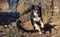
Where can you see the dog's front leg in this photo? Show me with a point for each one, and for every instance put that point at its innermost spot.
(37, 27)
(42, 24)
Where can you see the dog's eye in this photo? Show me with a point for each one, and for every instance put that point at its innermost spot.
(34, 10)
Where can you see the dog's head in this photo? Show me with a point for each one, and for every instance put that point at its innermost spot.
(36, 9)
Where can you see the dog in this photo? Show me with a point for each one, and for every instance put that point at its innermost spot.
(36, 17)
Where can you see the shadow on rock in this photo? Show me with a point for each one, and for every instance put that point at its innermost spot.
(8, 17)
(20, 27)
(48, 27)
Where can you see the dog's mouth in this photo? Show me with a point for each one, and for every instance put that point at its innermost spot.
(36, 13)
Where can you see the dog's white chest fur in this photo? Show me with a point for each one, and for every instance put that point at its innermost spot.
(36, 19)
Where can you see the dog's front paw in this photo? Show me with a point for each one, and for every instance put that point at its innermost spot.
(42, 25)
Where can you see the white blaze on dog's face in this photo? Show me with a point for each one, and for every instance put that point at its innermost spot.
(35, 13)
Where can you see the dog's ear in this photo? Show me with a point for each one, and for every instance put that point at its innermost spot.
(40, 5)
(32, 7)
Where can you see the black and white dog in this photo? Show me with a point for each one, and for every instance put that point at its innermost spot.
(36, 17)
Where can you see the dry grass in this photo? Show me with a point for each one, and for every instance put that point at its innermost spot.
(23, 6)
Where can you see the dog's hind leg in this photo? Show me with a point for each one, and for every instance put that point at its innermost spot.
(32, 22)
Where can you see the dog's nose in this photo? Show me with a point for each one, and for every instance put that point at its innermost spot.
(36, 11)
